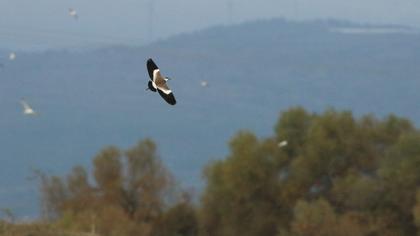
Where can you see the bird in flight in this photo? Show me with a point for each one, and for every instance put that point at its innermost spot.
(204, 83)
(27, 110)
(12, 56)
(282, 144)
(157, 83)
(73, 13)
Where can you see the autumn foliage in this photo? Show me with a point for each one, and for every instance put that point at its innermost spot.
(337, 175)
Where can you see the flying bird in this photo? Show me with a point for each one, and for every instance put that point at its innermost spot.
(73, 13)
(157, 83)
(204, 83)
(12, 56)
(27, 110)
(282, 144)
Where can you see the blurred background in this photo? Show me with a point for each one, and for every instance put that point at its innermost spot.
(326, 90)
(27, 25)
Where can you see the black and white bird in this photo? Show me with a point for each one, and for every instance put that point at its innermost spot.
(157, 83)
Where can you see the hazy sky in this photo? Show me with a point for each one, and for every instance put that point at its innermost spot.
(39, 24)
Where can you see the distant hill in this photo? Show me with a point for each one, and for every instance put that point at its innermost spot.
(89, 99)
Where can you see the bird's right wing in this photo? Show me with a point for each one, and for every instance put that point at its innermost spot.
(151, 67)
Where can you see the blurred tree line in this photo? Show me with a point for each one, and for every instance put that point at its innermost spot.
(132, 194)
(338, 175)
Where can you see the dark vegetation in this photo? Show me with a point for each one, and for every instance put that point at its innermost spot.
(338, 175)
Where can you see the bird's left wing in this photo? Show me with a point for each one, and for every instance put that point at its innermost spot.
(151, 67)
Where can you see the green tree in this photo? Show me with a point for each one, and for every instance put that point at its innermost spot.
(241, 193)
(314, 218)
(339, 175)
(179, 220)
(400, 172)
(416, 212)
(293, 126)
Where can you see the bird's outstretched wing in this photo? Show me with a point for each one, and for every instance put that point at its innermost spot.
(25, 105)
(151, 67)
(168, 97)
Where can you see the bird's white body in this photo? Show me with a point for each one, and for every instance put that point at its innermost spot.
(73, 13)
(204, 83)
(159, 82)
(282, 144)
(12, 56)
(27, 110)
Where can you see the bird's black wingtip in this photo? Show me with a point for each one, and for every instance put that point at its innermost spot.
(169, 98)
(150, 61)
(151, 66)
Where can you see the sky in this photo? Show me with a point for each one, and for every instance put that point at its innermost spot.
(45, 24)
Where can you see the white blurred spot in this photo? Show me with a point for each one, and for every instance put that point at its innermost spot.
(204, 83)
(12, 56)
(282, 144)
(27, 110)
(73, 13)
